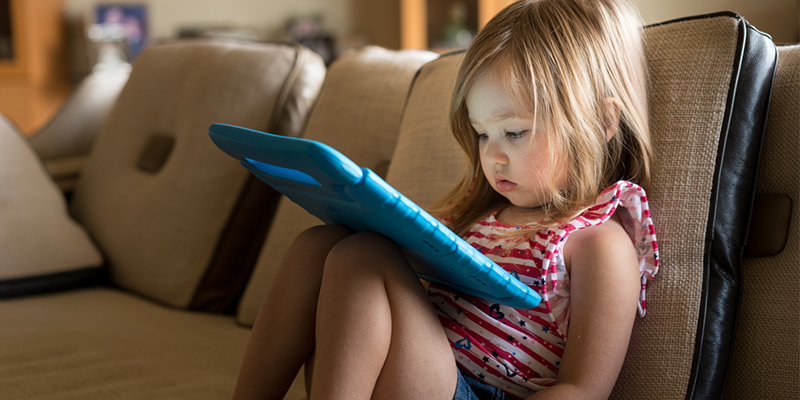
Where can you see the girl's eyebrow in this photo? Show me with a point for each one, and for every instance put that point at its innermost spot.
(501, 117)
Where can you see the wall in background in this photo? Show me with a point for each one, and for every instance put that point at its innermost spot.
(266, 17)
(378, 20)
(779, 18)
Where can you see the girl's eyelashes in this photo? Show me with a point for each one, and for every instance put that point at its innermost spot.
(517, 134)
(511, 135)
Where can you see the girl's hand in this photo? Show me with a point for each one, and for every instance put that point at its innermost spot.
(604, 291)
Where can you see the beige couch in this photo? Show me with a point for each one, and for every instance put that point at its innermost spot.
(169, 246)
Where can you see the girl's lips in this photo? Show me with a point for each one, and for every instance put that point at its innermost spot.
(504, 185)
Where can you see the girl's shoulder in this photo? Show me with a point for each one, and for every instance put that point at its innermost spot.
(618, 225)
(608, 237)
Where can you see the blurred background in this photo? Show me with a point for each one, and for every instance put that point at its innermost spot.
(48, 46)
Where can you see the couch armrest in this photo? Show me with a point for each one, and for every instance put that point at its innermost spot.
(42, 249)
(70, 134)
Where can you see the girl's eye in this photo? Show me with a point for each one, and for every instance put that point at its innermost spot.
(482, 137)
(516, 134)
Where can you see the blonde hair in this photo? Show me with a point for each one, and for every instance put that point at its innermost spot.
(562, 59)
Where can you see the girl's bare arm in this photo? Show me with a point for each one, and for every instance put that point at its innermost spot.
(604, 291)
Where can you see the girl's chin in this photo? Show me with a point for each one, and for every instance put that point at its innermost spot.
(523, 204)
(519, 200)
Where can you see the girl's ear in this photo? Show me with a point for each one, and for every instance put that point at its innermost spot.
(612, 111)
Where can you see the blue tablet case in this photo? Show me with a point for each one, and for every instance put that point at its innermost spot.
(337, 191)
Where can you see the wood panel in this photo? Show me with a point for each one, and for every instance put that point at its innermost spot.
(414, 19)
(33, 83)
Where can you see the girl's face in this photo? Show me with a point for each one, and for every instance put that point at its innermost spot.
(514, 149)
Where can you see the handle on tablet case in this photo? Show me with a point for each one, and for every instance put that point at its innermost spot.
(292, 159)
(281, 172)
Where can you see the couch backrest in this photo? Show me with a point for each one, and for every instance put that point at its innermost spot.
(358, 113)
(766, 357)
(711, 78)
(157, 196)
(71, 132)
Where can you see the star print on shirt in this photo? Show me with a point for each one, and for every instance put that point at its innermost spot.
(488, 323)
(481, 376)
(509, 373)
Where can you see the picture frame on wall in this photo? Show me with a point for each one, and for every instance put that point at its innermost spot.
(129, 20)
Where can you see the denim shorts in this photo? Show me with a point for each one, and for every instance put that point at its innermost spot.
(472, 389)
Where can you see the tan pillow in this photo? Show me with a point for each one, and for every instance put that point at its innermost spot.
(158, 197)
(41, 247)
(694, 95)
(357, 113)
(428, 162)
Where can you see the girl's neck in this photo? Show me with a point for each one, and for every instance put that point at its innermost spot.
(514, 215)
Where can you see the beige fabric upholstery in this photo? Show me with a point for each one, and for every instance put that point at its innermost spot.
(428, 161)
(358, 113)
(72, 130)
(107, 344)
(38, 237)
(766, 357)
(690, 63)
(159, 230)
(65, 171)
(64, 143)
(690, 67)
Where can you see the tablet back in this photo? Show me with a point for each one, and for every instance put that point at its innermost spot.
(337, 191)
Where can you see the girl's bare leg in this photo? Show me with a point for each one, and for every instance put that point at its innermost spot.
(283, 334)
(377, 333)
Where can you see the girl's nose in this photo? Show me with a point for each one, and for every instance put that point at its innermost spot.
(494, 153)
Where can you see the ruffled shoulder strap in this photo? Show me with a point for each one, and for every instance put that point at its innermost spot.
(629, 201)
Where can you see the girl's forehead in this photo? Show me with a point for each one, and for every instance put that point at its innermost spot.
(490, 99)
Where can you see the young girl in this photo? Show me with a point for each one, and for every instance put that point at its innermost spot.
(550, 106)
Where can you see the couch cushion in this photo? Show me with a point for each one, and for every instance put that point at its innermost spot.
(71, 132)
(103, 343)
(428, 161)
(65, 141)
(711, 78)
(41, 247)
(184, 230)
(766, 357)
(358, 113)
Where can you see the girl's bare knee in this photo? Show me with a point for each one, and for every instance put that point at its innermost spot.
(324, 234)
(366, 246)
(309, 250)
(369, 254)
